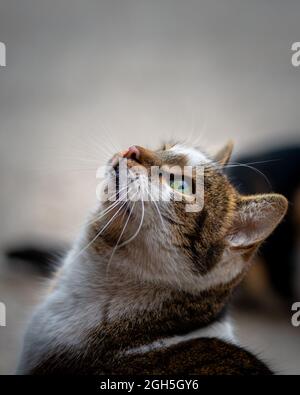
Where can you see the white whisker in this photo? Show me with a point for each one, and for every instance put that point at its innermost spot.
(107, 210)
(120, 237)
(139, 227)
(158, 210)
(237, 164)
(102, 230)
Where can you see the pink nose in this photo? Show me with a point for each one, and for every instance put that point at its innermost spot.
(132, 153)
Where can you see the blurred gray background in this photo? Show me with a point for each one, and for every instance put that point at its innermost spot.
(87, 78)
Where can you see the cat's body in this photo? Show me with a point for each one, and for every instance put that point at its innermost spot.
(156, 304)
(154, 330)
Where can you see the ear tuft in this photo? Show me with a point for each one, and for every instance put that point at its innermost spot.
(256, 218)
(223, 156)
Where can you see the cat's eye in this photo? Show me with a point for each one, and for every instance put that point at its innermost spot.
(181, 186)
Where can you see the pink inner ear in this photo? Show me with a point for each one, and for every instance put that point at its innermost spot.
(244, 236)
(256, 219)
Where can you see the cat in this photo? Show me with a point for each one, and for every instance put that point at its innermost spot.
(146, 286)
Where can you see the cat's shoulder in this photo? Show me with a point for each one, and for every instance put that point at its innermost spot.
(204, 356)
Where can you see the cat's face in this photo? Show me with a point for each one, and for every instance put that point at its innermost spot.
(176, 205)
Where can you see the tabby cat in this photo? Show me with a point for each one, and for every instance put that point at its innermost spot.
(146, 286)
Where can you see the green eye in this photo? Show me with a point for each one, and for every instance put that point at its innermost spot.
(180, 186)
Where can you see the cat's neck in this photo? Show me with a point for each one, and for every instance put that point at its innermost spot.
(137, 313)
(130, 303)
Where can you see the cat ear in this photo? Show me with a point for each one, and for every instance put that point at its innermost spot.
(224, 154)
(255, 219)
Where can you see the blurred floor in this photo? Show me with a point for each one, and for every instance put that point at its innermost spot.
(273, 338)
(20, 292)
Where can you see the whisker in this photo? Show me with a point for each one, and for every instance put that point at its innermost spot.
(101, 231)
(106, 211)
(237, 164)
(255, 170)
(157, 208)
(139, 227)
(120, 237)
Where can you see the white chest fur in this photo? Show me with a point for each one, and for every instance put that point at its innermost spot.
(221, 330)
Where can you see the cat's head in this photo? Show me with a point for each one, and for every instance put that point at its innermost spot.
(177, 217)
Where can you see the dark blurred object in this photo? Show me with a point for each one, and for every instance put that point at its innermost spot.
(45, 260)
(278, 171)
